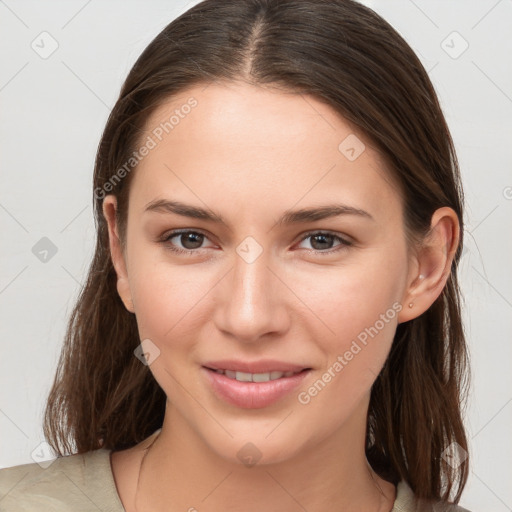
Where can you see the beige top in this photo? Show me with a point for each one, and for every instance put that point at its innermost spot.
(80, 483)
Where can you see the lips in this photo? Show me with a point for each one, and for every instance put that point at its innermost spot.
(253, 384)
(254, 377)
(255, 367)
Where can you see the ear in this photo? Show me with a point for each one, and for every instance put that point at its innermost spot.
(116, 252)
(432, 264)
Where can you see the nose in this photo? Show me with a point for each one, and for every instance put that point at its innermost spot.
(252, 302)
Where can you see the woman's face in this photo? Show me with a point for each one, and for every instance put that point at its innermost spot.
(269, 282)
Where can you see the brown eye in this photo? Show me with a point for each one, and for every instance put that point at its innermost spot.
(321, 242)
(189, 242)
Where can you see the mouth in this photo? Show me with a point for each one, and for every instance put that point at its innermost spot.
(241, 376)
(254, 390)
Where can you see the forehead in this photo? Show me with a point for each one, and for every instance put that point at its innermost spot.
(258, 146)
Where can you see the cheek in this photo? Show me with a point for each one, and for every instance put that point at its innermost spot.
(363, 321)
(167, 296)
(170, 306)
(351, 298)
(169, 300)
(358, 306)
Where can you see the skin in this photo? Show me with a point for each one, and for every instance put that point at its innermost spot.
(250, 153)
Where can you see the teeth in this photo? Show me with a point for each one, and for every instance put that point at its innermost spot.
(243, 377)
(254, 377)
(260, 377)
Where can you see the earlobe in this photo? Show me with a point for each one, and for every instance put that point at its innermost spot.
(434, 263)
(123, 288)
(116, 252)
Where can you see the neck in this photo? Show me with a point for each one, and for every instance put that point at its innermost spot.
(181, 472)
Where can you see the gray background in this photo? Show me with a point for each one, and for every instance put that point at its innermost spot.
(53, 111)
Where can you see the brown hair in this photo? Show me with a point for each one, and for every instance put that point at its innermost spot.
(346, 55)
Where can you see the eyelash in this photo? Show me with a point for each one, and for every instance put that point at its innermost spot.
(344, 244)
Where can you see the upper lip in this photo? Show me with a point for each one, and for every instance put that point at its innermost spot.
(262, 366)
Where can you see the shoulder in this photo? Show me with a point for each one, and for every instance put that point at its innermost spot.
(75, 482)
(406, 501)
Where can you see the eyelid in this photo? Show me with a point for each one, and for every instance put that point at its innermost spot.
(165, 238)
(345, 240)
(342, 236)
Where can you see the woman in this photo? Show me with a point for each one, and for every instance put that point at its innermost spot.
(271, 320)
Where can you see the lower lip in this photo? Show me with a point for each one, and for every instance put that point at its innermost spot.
(252, 395)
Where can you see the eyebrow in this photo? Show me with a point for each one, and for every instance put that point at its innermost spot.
(289, 216)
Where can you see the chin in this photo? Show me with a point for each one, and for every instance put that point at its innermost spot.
(256, 449)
